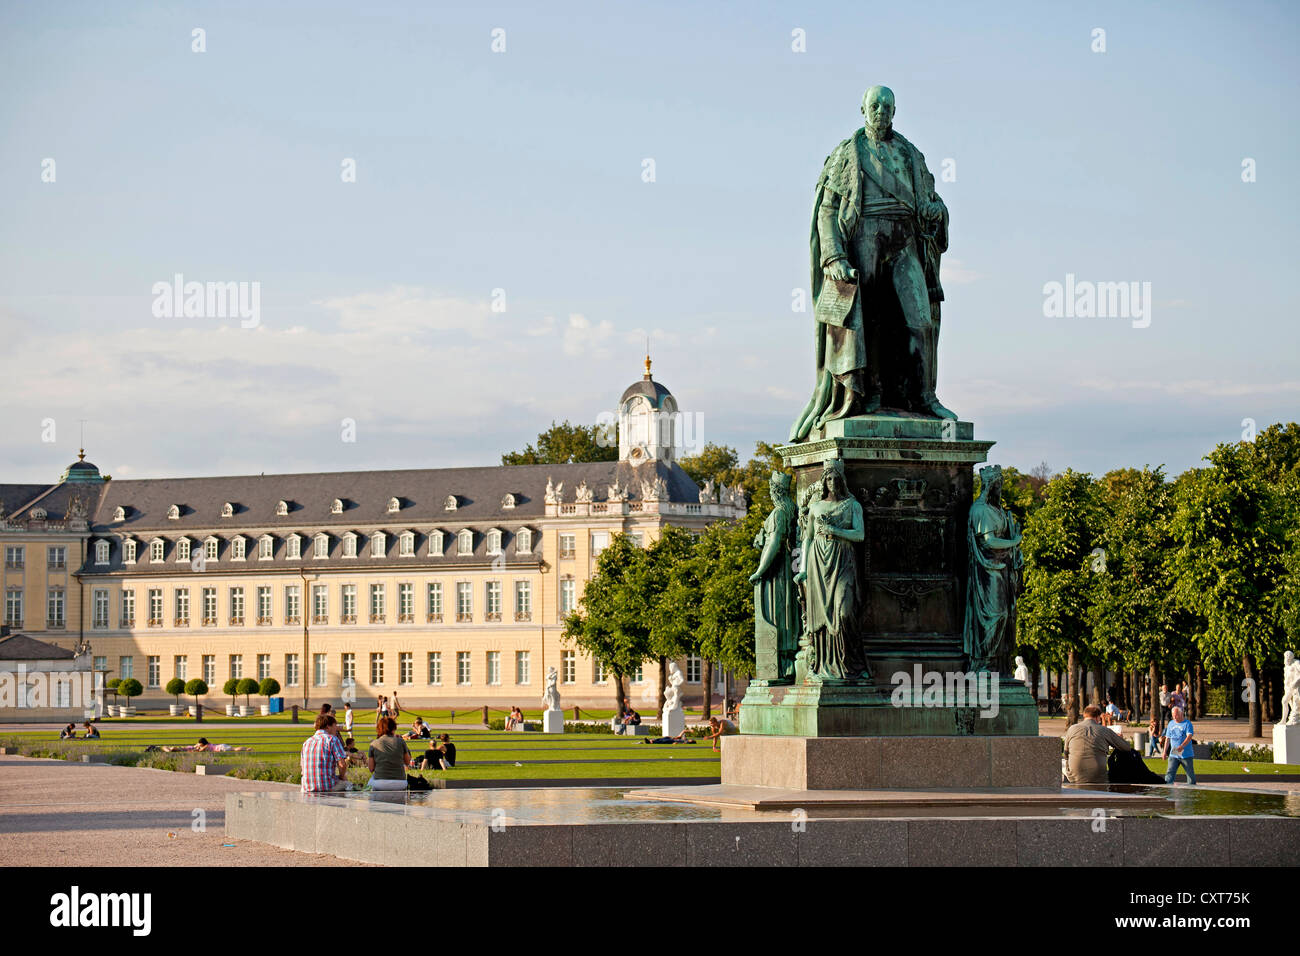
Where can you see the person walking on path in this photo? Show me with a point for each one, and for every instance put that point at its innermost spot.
(1179, 735)
(347, 719)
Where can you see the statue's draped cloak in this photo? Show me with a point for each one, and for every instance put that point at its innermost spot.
(775, 604)
(832, 596)
(989, 589)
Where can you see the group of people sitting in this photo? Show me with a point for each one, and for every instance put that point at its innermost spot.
(1088, 757)
(326, 759)
(515, 720)
(70, 732)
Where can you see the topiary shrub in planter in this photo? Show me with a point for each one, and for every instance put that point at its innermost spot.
(175, 687)
(247, 687)
(268, 688)
(196, 689)
(130, 687)
(111, 687)
(231, 688)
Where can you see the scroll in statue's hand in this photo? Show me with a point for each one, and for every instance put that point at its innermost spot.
(840, 270)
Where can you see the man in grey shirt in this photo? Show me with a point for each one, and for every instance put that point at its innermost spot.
(1087, 744)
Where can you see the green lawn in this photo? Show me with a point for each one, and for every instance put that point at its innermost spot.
(1158, 765)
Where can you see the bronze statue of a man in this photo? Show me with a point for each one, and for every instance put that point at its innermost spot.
(878, 230)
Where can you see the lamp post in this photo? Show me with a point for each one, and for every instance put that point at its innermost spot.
(542, 568)
(306, 640)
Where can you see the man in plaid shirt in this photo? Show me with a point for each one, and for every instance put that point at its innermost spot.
(324, 761)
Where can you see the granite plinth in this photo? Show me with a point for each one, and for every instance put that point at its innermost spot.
(891, 763)
(1286, 743)
(553, 722)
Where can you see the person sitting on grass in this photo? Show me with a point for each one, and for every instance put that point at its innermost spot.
(719, 729)
(1086, 746)
(441, 757)
(515, 719)
(324, 761)
(388, 757)
(679, 739)
(355, 757)
(92, 732)
(69, 732)
(419, 730)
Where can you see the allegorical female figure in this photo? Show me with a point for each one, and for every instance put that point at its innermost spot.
(776, 603)
(832, 595)
(993, 540)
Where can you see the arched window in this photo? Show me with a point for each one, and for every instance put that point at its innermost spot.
(265, 548)
(494, 541)
(101, 552)
(349, 545)
(293, 546)
(322, 546)
(156, 549)
(237, 548)
(524, 541)
(407, 544)
(435, 544)
(183, 549)
(378, 544)
(465, 542)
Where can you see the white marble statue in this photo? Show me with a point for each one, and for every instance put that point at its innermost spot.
(1290, 690)
(554, 492)
(584, 493)
(551, 696)
(1022, 672)
(673, 716)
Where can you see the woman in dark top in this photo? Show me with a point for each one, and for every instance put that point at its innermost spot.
(442, 756)
(388, 757)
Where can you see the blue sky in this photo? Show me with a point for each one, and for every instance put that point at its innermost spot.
(522, 171)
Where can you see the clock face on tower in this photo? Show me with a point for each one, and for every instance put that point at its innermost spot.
(638, 453)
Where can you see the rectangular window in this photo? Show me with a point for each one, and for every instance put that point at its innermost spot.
(181, 667)
(183, 549)
(348, 594)
(14, 557)
(435, 544)
(182, 601)
(637, 539)
(290, 670)
(568, 545)
(100, 608)
(568, 667)
(494, 667)
(128, 608)
(209, 598)
(637, 676)
(293, 546)
(523, 601)
(462, 667)
(406, 546)
(263, 605)
(210, 549)
(522, 667)
(101, 664)
(405, 603)
(598, 674)
(435, 603)
(154, 672)
(155, 607)
(210, 670)
(126, 666)
(263, 666)
(406, 668)
(236, 666)
(318, 667)
(694, 670)
(265, 548)
(157, 548)
(54, 608)
(292, 604)
(236, 606)
(377, 612)
(321, 547)
(464, 601)
(58, 559)
(128, 552)
(349, 667)
(568, 596)
(493, 596)
(599, 542)
(14, 607)
(435, 667)
(376, 669)
(237, 546)
(320, 604)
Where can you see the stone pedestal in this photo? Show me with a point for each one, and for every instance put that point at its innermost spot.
(892, 763)
(674, 721)
(552, 721)
(1286, 743)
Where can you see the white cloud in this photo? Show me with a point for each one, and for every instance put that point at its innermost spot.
(582, 337)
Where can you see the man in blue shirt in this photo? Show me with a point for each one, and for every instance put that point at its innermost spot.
(1179, 734)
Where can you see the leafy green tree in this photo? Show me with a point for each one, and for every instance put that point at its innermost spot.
(1059, 580)
(231, 687)
(1230, 530)
(269, 687)
(566, 443)
(196, 688)
(247, 686)
(130, 687)
(650, 582)
(721, 464)
(175, 687)
(728, 556)
(713, 463)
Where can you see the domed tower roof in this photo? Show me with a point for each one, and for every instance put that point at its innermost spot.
(81, 470)
(647, 387)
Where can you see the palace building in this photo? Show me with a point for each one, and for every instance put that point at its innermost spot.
(447, 586)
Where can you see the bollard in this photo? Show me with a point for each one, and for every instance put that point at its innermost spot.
(485, 715)
(575, 712)
(295, 714)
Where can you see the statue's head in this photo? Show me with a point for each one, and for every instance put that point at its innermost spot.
(878, 109)
(835, 483)
(991, 482)
(1019, 660)
(780, 485)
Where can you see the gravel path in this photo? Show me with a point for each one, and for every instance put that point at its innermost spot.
(58, 813)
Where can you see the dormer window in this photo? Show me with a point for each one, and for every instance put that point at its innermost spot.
(394, 506)
(494, 541)
(238, 544)
(337, 507)
(524, 541)
(293, 546)
(508, 503)
(119, 514)
(378, 544)
(101, 552)
(128, 551)
(449, 503)
(406, 544)
(265, 548)
(182, 549)
(210, 548)
(157, 549)
(435, 544)
(321, 546)
(349, 545)
(174, 512)
(465, 542)
(282, 508)
(228, 510)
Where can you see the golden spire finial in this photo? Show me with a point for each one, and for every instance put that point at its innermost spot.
(647, 357)
(81, 454)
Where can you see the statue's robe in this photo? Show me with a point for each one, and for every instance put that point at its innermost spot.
(834, 598)
(776, 607)
(990, 588)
